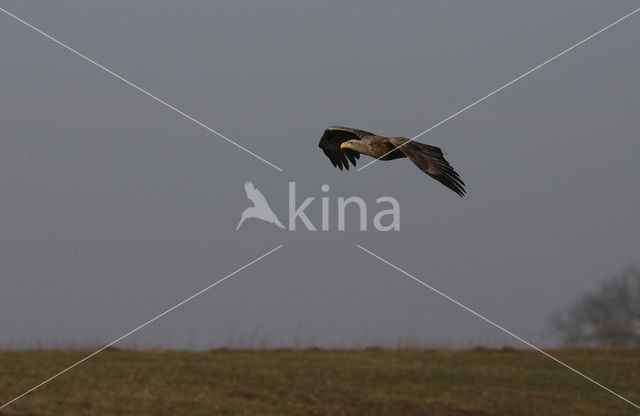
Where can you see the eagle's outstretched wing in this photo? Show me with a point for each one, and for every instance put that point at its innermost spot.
(331, 140)
(255, 195)
(431, 161)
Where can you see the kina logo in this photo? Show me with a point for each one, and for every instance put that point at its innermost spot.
(260, 209)
(384, 219)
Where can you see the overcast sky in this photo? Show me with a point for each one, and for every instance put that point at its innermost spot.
(114, 208)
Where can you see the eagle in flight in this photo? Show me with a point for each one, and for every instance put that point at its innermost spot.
(343, 145)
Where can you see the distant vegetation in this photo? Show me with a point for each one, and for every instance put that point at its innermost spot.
(374, 382)
(607, 317)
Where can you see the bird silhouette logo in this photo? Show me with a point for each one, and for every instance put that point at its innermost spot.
(260, 208)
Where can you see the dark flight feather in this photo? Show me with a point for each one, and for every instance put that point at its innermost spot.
(431, 161)
(330, 143)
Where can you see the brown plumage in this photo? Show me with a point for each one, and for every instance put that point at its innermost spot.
(343, 145)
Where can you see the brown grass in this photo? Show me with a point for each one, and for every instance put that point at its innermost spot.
(375, 382)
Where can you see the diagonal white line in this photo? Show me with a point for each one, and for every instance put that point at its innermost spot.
(513, 81)
(182, 113)
(497, 326)
(141, 326)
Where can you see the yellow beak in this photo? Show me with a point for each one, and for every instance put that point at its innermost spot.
(344, 145)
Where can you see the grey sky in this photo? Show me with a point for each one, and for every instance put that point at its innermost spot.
(114, 208)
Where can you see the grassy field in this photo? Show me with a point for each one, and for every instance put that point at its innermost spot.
(318, 382)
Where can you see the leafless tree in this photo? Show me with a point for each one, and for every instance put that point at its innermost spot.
(608, 317)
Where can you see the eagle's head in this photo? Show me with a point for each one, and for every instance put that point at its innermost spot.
(357, 145)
